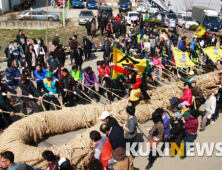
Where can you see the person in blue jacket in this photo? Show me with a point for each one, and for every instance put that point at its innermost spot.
(190, 76)
(50, 88)
(143, 31)
(12, 74)
(40, 76)
(182, 44)
(193, 44)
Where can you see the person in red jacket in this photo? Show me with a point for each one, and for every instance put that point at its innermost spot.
(135, 80)
(118, 18)
(104, 72)
(109, 28)
(187, 96)
(187, 93)
(103, 148)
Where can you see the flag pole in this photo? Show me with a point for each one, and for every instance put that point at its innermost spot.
(111, 83)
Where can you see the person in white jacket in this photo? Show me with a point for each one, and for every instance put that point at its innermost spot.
(210, 106)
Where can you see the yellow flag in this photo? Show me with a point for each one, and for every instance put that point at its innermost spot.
(215, 53)
(200, 31)
(182, 59)
(121, 59)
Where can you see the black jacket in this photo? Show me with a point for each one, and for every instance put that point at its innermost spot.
(116, 26)
(78, 56)
(28, 58)
(177, 130)
(116, 138)
(123, 28)
(88, 25)
(18, 38)
(87, 44)
(113, 122)
(70, 85)
(4, 88)
(61, 56)
(107, 48)
(27, 89)
(103, 22)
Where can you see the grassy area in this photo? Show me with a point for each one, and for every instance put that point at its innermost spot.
(65, 33)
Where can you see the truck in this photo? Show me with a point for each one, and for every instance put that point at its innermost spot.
(124, 5)
(207, 17)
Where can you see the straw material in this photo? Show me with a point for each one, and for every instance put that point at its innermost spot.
(79, 150)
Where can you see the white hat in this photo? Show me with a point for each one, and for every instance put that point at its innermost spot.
(57, 35)
(61, 161)
(104, 115)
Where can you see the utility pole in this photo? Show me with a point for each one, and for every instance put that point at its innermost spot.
(47, 4)
(64, 13)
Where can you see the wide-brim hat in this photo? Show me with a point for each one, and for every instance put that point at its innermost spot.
(119, 154)
(130, 67)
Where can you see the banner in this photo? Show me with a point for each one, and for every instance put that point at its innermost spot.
(200, 31)
(182, 59)
(215, 53)
(121, 59)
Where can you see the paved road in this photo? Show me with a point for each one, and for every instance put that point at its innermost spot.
(72, 14)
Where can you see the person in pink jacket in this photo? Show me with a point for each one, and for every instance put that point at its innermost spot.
(187, 93)
(104, 72)
(157, 63)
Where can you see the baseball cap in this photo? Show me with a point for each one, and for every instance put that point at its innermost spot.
(185, 103)
(104, 115)
(48, 74)
(57, 35)
(64, 163)
(191, 73)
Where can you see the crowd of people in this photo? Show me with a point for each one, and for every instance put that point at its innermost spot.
(47, 68)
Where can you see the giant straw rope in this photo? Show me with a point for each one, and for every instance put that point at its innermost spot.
(79, 150)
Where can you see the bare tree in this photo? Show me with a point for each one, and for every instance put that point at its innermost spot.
(185, 5)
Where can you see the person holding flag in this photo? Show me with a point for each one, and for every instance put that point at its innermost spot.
(134, 79)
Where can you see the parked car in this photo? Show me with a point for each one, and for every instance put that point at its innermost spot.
(60, 2)
(37, 14)
(124, 5)
(105, 11)
(153, 9)
(143, 7)
(85, 15)
(132, 16)
(186, 21)
(91, 4)
(168, 19)
(77, 3)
